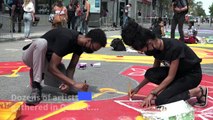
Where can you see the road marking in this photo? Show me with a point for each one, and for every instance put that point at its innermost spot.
(73, 106)
(14, 72)
(12, 50)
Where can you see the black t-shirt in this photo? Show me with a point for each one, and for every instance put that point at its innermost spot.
(18, 4)
(181, 4)
(62, 41)
(71, 11)
(174, 49)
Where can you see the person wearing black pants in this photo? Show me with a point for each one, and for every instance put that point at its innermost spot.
(71, 14)
(180, 9)
(178, 89)
(176, 69)
(16, 13)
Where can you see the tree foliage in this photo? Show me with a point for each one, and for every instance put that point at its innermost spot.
(211, 9)
(196, 8)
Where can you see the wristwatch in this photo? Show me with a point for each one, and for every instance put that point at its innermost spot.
(154, 93)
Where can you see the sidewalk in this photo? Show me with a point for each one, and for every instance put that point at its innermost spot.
(38, 31)
(44, 26)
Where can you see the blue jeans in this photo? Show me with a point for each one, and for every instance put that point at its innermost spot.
(125, 20)
(27, 24)
(84, 24)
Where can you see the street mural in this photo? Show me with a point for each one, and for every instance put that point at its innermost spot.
(108, 108)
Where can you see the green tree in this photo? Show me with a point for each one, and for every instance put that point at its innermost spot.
(164, 5)
(191, 6)
(197, 10)
(211, 10)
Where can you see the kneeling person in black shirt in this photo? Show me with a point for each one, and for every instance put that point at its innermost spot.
(178, 79)
(47, 53)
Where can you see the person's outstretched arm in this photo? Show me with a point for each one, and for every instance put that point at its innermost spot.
(156, 63)
(136, 89)
(72, 65)
(171, 75)
(144, 82)
(53, 68)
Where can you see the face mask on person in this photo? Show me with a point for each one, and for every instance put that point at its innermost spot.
(87, 50)
(152, 52)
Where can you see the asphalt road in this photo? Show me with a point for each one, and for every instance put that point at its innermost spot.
(107, 76)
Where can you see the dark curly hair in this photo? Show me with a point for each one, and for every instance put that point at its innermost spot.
(60, 3)
(98, 36)
(136, 36)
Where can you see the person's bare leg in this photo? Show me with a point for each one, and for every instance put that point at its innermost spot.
(201, 93)
(196, 92)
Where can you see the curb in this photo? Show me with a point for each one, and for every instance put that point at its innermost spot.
(19, 37)
(16, 39)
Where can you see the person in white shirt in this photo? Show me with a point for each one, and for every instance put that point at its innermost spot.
(28, 17)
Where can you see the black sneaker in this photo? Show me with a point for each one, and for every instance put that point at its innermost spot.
(34, 98)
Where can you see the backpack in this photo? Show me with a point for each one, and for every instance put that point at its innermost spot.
(118, 45)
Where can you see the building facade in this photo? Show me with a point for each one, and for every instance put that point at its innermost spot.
(111, 10)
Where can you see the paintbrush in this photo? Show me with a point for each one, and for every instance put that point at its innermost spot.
(129, 91)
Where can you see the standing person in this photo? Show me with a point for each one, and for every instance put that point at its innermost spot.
(85, 17)
(104, 14)
(181, 74)
(2, 10)
(191, 34)
(180, 9)
(28, 17)
(2, 6)
(198, 22)
(71, 14)
(52, 47)
(139, 16)
(60, 18)
(165, 19)
(16, 13)
(78, 14)
(127, 13)
(158, 28)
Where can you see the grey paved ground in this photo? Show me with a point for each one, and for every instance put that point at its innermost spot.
(105, 76)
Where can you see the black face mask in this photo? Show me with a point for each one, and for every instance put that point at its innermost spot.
(87, 50)
(152, 52)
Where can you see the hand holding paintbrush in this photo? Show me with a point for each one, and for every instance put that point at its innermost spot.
(133, 92)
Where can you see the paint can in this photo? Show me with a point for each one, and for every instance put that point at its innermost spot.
(82, 66)
(96, 65)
